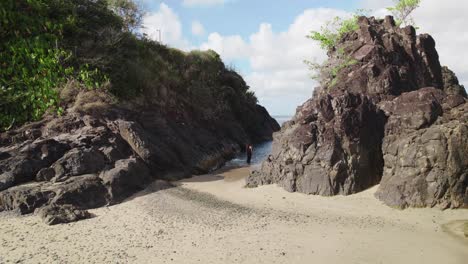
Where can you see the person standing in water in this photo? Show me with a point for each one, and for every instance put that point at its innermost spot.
(249, 150)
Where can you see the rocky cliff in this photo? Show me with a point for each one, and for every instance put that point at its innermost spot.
(394, 116)
(103, 149)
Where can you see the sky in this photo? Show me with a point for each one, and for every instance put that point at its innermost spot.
(265, 41)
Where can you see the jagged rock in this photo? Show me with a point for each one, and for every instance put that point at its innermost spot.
(426, 162)
(26, 160)
(45, 174)
(79, 162)
(62, 214)
(397, 93)
(451, 84)
(6, 180)
(331, 147)
(86, 191)
(127, 177)
(390, 60)
(26, 198)
(413, 110)
(144, 146)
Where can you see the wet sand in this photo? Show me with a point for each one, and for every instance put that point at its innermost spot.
(213, 219)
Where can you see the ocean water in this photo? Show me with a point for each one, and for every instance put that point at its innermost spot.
(260, 151)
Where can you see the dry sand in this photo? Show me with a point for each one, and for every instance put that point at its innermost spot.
(213, 219)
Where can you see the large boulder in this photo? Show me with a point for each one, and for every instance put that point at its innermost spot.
(24, 161)
(127, 177)
(79, 162)
(85, 191)
(26, 198)
(150, 149)
(426, 157)
(62, 214)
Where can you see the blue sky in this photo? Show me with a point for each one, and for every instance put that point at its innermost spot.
(242, 16)
(265, 40)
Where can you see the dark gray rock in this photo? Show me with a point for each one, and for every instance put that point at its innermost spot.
(150, 149)
(45, 174)
(332, 146)
(85, 192)
(79, 162)
(127, 177)
(6, 180)
(413, 110)
(26, 198)
(62, 214)
(427, 166)
(451, 84)
(26, 160)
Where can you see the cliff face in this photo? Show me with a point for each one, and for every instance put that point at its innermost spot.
(101, 151)
(394, 117)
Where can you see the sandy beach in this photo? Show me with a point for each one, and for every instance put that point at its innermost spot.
(213, 219)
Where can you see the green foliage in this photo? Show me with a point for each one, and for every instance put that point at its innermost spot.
(32, 62)
(327, 74)
(47, 42)
(402, 11)
(129, 11)
(333, 31)
(92, 79)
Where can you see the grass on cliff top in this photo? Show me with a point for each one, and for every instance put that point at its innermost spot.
(50, 42)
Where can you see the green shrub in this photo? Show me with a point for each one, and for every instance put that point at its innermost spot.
(327, 73)
(402, 11)
(33, 63)
(47, 43)
(333, 31)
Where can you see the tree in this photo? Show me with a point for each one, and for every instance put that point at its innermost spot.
(402, 11)
(129, 11)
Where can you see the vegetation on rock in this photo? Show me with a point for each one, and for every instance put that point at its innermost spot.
(34, 61)
(402, 11)
(334, 31)
(48, 43)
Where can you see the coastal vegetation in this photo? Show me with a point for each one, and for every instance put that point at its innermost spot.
(333, 31)
(97, 44)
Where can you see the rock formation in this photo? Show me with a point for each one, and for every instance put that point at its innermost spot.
(394, 117)
(100, 152)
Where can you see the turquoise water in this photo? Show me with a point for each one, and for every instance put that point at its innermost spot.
(260, 151)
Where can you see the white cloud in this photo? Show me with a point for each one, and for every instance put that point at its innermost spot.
(192, 3)
(277, 73)
(229, 47)
(276, 58)
(167, 23)
(197, 28)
